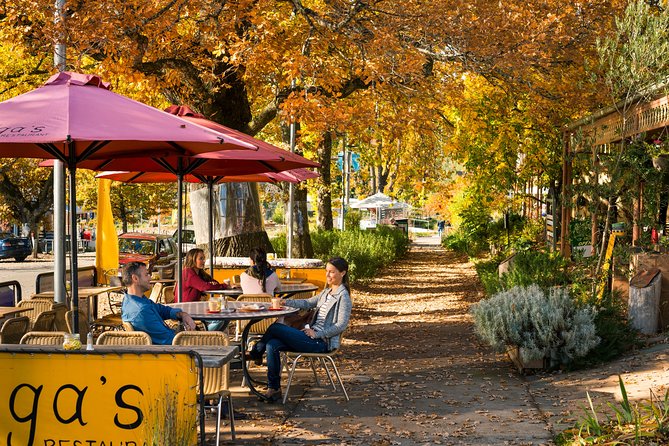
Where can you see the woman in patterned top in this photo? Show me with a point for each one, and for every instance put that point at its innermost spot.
(333, 311)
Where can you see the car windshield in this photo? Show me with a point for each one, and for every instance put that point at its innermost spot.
(136, 246)
(187, 236)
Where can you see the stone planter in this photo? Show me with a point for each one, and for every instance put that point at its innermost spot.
(524, 367)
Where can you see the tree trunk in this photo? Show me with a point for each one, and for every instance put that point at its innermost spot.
(382, 178)
(610, 211)
(593, 229)
(240, 245)
(302, 247)
(325, 183)
(238, 223)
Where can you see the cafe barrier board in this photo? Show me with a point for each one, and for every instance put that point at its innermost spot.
(127, 399)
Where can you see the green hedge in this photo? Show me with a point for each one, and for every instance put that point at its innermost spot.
(365, 251)
(279, 243)
(479, 232)
(529, 267)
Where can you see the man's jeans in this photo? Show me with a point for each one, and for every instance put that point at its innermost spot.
(280, 337)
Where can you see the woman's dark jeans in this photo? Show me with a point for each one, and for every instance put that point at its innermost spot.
(280, 337)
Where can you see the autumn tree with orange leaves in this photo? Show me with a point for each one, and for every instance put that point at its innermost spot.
(390, 76)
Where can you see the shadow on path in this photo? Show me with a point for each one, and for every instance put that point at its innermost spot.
(417, 374)
(414, 369)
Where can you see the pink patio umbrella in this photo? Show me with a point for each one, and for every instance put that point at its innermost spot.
(288, 176)
(295, 175)
(291, 176)
(231, 163)
(264, 158)
(186, 113)
(74, 118)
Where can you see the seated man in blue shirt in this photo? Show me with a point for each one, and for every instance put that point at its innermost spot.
(143, 313)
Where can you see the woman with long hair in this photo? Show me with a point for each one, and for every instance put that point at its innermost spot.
(259, 278)
(195, 278)
(332, 313)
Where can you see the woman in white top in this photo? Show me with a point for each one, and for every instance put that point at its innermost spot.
(259, 278)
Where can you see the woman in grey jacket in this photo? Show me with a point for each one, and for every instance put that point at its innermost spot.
(333, 311)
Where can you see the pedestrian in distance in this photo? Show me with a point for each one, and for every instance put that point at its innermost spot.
(441, 225)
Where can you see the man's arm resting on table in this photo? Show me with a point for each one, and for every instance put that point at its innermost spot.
(188, 321)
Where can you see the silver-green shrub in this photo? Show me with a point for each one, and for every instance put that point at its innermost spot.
(543, 325)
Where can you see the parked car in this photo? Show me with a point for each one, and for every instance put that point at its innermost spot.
(157, 251)
(187, 239)
(15, 247)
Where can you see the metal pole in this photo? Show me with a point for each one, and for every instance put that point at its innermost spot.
(58, 247)
(210, 189)
(74, 268)
(344, 162)
(179, 215)
(348, 178)
(291, 194)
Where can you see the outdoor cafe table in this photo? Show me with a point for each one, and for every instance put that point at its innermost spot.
(84, 293)
(200, 311)
(286, 291)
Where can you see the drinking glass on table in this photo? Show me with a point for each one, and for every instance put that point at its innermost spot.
(214, 304)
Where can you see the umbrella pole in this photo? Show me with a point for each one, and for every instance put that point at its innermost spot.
(179, 216)
(74, 268)
(210, 190)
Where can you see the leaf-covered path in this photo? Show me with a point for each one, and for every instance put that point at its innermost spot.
(417, 374)
(414, 370)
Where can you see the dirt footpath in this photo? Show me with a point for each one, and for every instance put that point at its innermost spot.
(417, 375)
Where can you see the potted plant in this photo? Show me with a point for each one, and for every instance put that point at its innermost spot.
(538, 328)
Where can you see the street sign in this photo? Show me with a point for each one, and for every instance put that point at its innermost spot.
(355, 161)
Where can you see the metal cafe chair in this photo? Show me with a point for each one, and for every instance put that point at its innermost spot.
(157, 292)
(36, 306)
(59, 323)
(323, 359)
(168, 294)
(83, 322)
(127, 326)
(259, 328)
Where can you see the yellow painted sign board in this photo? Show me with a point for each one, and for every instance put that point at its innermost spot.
(58, 399)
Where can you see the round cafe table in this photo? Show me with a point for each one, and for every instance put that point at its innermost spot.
(200, 311)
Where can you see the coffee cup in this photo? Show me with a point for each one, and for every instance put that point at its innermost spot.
(276, 303)
(214, 304)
